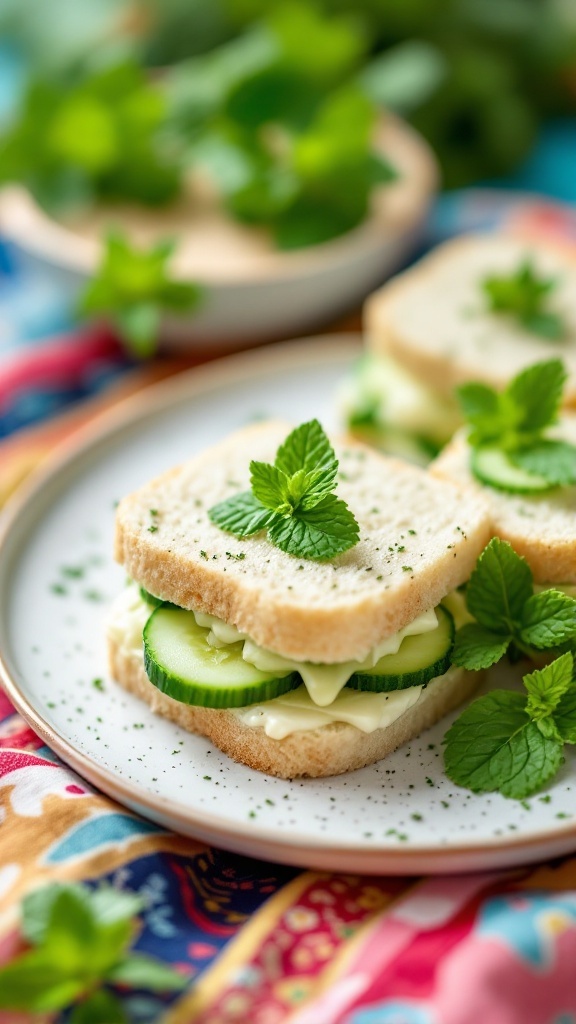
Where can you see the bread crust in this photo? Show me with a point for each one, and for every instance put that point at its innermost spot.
(329, 750)
(434, 321)
(420, 538)
(542, 528)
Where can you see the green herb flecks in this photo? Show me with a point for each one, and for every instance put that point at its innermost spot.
(524, 295)
(293, 500)
(509, 616)
(134, 288)
(513, 743)
(80, 941)
(513, 423)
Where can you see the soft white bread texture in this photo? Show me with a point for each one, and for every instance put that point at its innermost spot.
(420, 538)
(328, 750)
(435, 321)
(540, 527)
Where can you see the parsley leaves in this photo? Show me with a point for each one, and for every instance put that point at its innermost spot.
(523, 294)
(133, 287)
(293, 500)
(80, 941)
(513, 743)
(512, 422)
(509, 615)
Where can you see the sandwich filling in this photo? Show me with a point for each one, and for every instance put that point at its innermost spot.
(306, 695)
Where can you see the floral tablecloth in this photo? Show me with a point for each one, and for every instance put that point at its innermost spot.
(259, 943)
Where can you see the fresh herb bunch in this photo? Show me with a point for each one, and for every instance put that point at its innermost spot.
(133, 287)
(293, 500)
(80, 941)
(513, 743)
(282, 127)
(514, 422)
(75, 142)
(510, 616)
(523, 295)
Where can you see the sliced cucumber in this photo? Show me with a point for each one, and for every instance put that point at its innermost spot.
(419, 659)
(493, 467)
(154, 602)
(181, 663)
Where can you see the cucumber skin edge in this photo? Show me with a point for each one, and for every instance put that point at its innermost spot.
(212, 697)
(369, 683)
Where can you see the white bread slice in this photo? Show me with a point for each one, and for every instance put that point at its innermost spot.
(328, 750)
(420, 538)
(540, 527)
(434, 318)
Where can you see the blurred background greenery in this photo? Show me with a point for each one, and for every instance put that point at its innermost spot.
(476, 77)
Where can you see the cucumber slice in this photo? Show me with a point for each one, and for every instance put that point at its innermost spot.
(420, 659)
(154, 602)
(493, 467)
(181, 663)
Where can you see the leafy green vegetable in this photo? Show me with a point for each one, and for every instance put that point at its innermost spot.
(133, 287)
(514, 421)
(523, 294)
(98, 138)
(293, 500)
(80, 939)
(509, 615)
(513, 743)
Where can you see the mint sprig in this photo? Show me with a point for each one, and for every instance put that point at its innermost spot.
(293, 500)
(134, 288)
(515, 419)
(80, 941)
(513, 743)
(524, 295)
(509, 615)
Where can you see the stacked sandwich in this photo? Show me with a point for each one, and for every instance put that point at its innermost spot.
(295, 602)
(481, 308)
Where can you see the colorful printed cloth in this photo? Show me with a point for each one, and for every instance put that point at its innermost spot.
(261, 943)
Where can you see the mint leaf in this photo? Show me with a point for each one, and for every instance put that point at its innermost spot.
(481, 408)
(554, 460)
(37, 908)
(537, 394)
(145, 972)
(308, 448)
(100, 1006)
(476, 647)
(293, 500)
(38, 982)
(133, 286)
(523, 295)
(269, 485)
(546, 686)
(548, 619)
(499, 587)
(242, 514)
(320, 533)
(565, 715)
(494, 746)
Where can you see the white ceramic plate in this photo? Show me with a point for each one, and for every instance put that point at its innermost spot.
(57, 576)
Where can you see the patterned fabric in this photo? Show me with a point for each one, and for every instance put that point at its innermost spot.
(261, 943)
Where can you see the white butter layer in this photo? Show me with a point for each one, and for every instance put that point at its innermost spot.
(296, 710)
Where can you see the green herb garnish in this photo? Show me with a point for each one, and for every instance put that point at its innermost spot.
(134, 288)
(514, 421)
(524, 294)
(513, 743)
(80, 941)
(510, 617)
(97, 138)
(293, 500)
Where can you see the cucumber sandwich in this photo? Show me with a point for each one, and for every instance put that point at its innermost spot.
(519, 454)
(293, 601)
(479, 307)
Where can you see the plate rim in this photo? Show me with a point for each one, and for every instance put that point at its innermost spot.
(149, 401)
